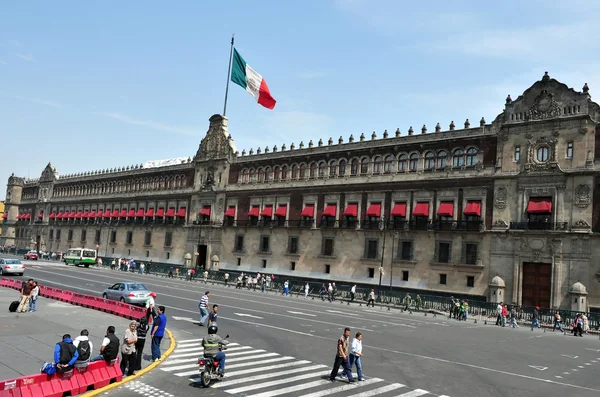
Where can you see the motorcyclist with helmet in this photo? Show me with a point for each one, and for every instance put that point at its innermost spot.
(211, 344)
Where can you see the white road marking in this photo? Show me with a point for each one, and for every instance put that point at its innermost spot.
(267, 368)
(302, 313)
(270, 375)
(340, 389)
(381, 390)
(292, 389)
(236, 359)
(538, 367)
(263, 385)
(247, 315)
(569, 356)
(187, 360)
(414, 393)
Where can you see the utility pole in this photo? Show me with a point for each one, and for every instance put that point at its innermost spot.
(382, 256)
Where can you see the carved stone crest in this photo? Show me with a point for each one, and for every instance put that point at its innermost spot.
(500, 198)
(582, 196)
(544, 107)
(537, 255)
(581, 224)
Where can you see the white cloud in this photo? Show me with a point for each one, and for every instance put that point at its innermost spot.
(40, 101)
(27, 57)
(148, 123)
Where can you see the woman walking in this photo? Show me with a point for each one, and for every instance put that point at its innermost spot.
(34, 296)
(128, 357)
(142, 330)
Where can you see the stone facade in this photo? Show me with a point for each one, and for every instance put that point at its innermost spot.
(509, 208)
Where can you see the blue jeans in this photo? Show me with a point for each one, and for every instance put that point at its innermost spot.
(466, 315)
(32, 303)
(535, 322)
(203, 315)
(285, 291)
(221, 357)
(559, 325)
(156, 347)
(356, 359)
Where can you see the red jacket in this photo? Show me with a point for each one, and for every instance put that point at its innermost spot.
(504, 311)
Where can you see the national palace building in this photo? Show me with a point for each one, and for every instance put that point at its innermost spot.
(507, 210)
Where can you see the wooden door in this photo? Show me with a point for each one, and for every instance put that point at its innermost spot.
(537, 284)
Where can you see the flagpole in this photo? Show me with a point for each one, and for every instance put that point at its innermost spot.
(228, 75)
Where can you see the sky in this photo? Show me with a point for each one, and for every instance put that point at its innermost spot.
(91, 85)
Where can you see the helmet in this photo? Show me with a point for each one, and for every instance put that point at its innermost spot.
(153, 294)
(212, 329)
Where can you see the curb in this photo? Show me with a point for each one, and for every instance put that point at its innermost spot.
(139, 373)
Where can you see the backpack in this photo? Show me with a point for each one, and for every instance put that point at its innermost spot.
(83, 349)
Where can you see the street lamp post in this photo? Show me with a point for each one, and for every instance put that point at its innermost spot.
(382, 256)
(392, 259)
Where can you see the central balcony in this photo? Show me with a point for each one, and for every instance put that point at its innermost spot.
(564, 226)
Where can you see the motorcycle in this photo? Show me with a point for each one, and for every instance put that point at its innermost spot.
(209, 368)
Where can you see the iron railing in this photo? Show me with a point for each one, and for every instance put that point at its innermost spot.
(539, 226)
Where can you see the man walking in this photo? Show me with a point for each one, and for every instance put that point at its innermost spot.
(158, 332)
(341, 357)
(203, 306)
(352, 293)
(306, 290)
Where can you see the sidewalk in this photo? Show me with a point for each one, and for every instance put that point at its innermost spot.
(27, 340)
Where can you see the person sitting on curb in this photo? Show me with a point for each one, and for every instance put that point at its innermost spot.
(65, 355)
(110, 346)
(84, 346)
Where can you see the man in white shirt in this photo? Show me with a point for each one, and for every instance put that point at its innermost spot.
(306, 290)
(85, 353)
(150, 311)
(356, 355)
(352, 293)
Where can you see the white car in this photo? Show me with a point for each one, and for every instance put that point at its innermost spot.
(11, 266)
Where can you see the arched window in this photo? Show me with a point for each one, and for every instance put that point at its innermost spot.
(267, 174)
(413, 162)
(252, 175)
(542, 153)
(313, 170)
(294, 171)
(402, 162)
(377, 165)
(387, 163)
(458, 158)
(364, 165)
(276, 173)
(441, 159)
(322, 168)
(354, 167)
(284, 173)
(302, 171)
(261, 175)
(429, 160)
(472, 156)
(342, 168)
(332, 168)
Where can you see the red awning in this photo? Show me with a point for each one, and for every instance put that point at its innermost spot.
(41, 215)
(72, 215)
(149, 213)
(92, 214)
(139, 213)
(160, 212)
(170, 213)
(115, 214)
(351, 210)
(267, 211)
(421, 209)
(131, 213)
(308, 211)
(539, 205)
(399, 210)
(254, 211)
(59, 215)
(181, 212)
(330, 210)
(205, 211)
(27, 215)
(123, 213)
(107, 214)
(79, 215)
(52, 215)
(473, 208)
(86, 214)
(281, 210)
(230, 212)
(20, 216)
(5, 215)
(446, 208)
(374, 210)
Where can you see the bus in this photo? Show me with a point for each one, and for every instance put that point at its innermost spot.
(80, 256)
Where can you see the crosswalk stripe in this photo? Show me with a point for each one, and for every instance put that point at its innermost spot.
(199, 349)
(185, 346)
(381, 390)
(267, 368)
(196, 356)
(414, 393)
(291, 389)
(254, 364)
(343, 388)
(189, 341)
(188, 366)
(266, 376)
(275, 382)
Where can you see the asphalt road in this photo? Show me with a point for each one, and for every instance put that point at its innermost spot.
(405, 354)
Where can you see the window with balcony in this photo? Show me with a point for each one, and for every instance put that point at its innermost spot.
(387, 163)
(293, 244)
(471, 157)
(302, 171)
(322, 169)
(458, 158)
(441, 159)
(313, 171)
(294, 172)
(327, 247)
(429, 161)
(371, 248)
(539, 215)
(472, 216)
(265, 245)
(350, 216)
(205, 215)
(364, 166)
(308, 215)
(342, 168)
(398, 215)
(253, 215)
(332, 168)
(569, 150)
(168, 239)
(229, 216)
(284, 171)
(268, 174)
(276, 173)
(402, 160)
(405, 250)
(470, 253)
(413, 162)
(328, 218)
(239, 243)
(443, 252)
(445, 215)
(421, 215)
(373, 216)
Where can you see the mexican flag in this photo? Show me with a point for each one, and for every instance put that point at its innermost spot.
(243, 75)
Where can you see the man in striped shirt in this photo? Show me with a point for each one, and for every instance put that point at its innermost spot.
(204, 308)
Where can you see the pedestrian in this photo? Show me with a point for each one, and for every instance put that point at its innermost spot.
(306, 290)
(204, 308)
(170, 275)
(150, 303)
(371, 300)
(535, 318)
(26, 288)
(557, 323)
(407, 302)
(128, 353)
(141, 330)
(585, 323)
(578, 326)
(466, 307)
(286, 288)
(205, 276)
(499, 313)
(35, 291)
(226, 278)
(356, 355)
(330, 292)
(334, 292)
(323, 292)
(513, 317)
(158, 332)
(177, 272)
(113, 264)
(193, 275)
(142, 268)
(504, 315)
(341, 357)
(109, 350)
(352, 293)
(212, 317)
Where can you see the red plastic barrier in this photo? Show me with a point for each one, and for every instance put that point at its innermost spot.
(66, 296)
(78, 299)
